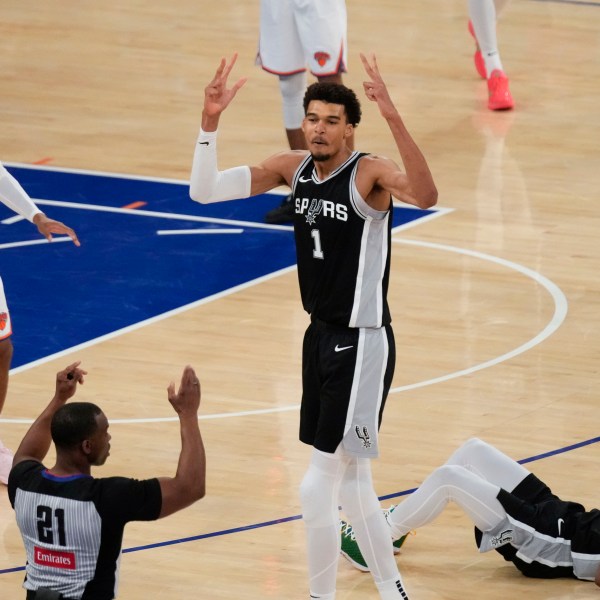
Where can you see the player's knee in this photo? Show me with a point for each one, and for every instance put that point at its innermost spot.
(314, 499)
(292, 89)
(448, 474)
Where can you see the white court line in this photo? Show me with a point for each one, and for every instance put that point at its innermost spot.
(196, 231)
(150, 213)
(11, 220)
(34, 242)
(560, 312)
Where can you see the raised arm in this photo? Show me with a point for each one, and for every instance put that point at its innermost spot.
(35, 444)
(207, 183)
(416, 186)
(189, 483)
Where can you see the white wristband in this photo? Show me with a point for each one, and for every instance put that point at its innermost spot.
(207, 183)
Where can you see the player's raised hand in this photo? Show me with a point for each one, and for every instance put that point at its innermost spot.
(375, 88)
(217, 95)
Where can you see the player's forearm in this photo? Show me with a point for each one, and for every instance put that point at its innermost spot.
(191, 468)
(207, 183)
(417, 170)
(15, 197)
(37, 440)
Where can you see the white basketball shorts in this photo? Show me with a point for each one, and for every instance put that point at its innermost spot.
(296, 34)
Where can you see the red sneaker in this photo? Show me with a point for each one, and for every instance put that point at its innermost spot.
(477, 57)
(499, 94)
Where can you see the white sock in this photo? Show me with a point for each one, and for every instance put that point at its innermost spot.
(392, 589)
(483, 17)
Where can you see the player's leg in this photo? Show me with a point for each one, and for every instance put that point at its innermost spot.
(322, 27)
(489, 463)
(292, 88)
(6, 348)
(476, 496)
(319, 494)
(361, 505)
(6, 351)
(280, 52)
(483, 15)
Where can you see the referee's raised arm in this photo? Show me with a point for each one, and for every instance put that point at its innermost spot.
(189, 483)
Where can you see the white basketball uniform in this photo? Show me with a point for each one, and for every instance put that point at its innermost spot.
(296, 34)
(5, 324)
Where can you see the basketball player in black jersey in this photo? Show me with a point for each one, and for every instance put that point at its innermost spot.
(342, 224)
(72, 523)
(513, 511)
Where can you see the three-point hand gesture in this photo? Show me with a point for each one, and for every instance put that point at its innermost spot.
(375, 89)
(187, 398)
(216, 94)
(48, 226)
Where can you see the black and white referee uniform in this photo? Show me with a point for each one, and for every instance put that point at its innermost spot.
(343, 255)
(72, 527)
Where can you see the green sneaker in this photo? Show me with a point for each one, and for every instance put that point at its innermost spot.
(397, 543)
(350, 549)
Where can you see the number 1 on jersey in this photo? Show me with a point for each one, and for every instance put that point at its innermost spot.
(317, 250)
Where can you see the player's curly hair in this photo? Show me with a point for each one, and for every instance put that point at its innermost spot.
(335, 93)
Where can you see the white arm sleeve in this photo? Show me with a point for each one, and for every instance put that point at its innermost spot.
(15, 197)
(207, 183)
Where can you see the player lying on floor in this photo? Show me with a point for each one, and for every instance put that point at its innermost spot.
(513, 511)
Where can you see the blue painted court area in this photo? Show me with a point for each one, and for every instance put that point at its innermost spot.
(133, 264)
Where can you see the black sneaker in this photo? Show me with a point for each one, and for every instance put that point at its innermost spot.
(284, 213)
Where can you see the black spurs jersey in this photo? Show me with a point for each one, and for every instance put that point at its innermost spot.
(72, 527)
(342, 247)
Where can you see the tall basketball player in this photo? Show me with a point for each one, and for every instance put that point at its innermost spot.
(342, 223)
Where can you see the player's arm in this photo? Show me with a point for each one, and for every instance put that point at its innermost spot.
(17, 199)
(597, 579)
(189, 483)
(416, 186)
(207, 183)
(35, 444)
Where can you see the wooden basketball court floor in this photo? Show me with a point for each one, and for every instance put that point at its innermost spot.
(495, 305)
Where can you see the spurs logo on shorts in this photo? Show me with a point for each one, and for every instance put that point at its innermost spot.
(504, 537)
(363, 435)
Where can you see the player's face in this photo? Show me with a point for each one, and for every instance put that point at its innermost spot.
(325, 128)
(100, 442)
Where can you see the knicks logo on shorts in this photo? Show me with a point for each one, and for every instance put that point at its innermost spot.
(322, 58)
(3, 320)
